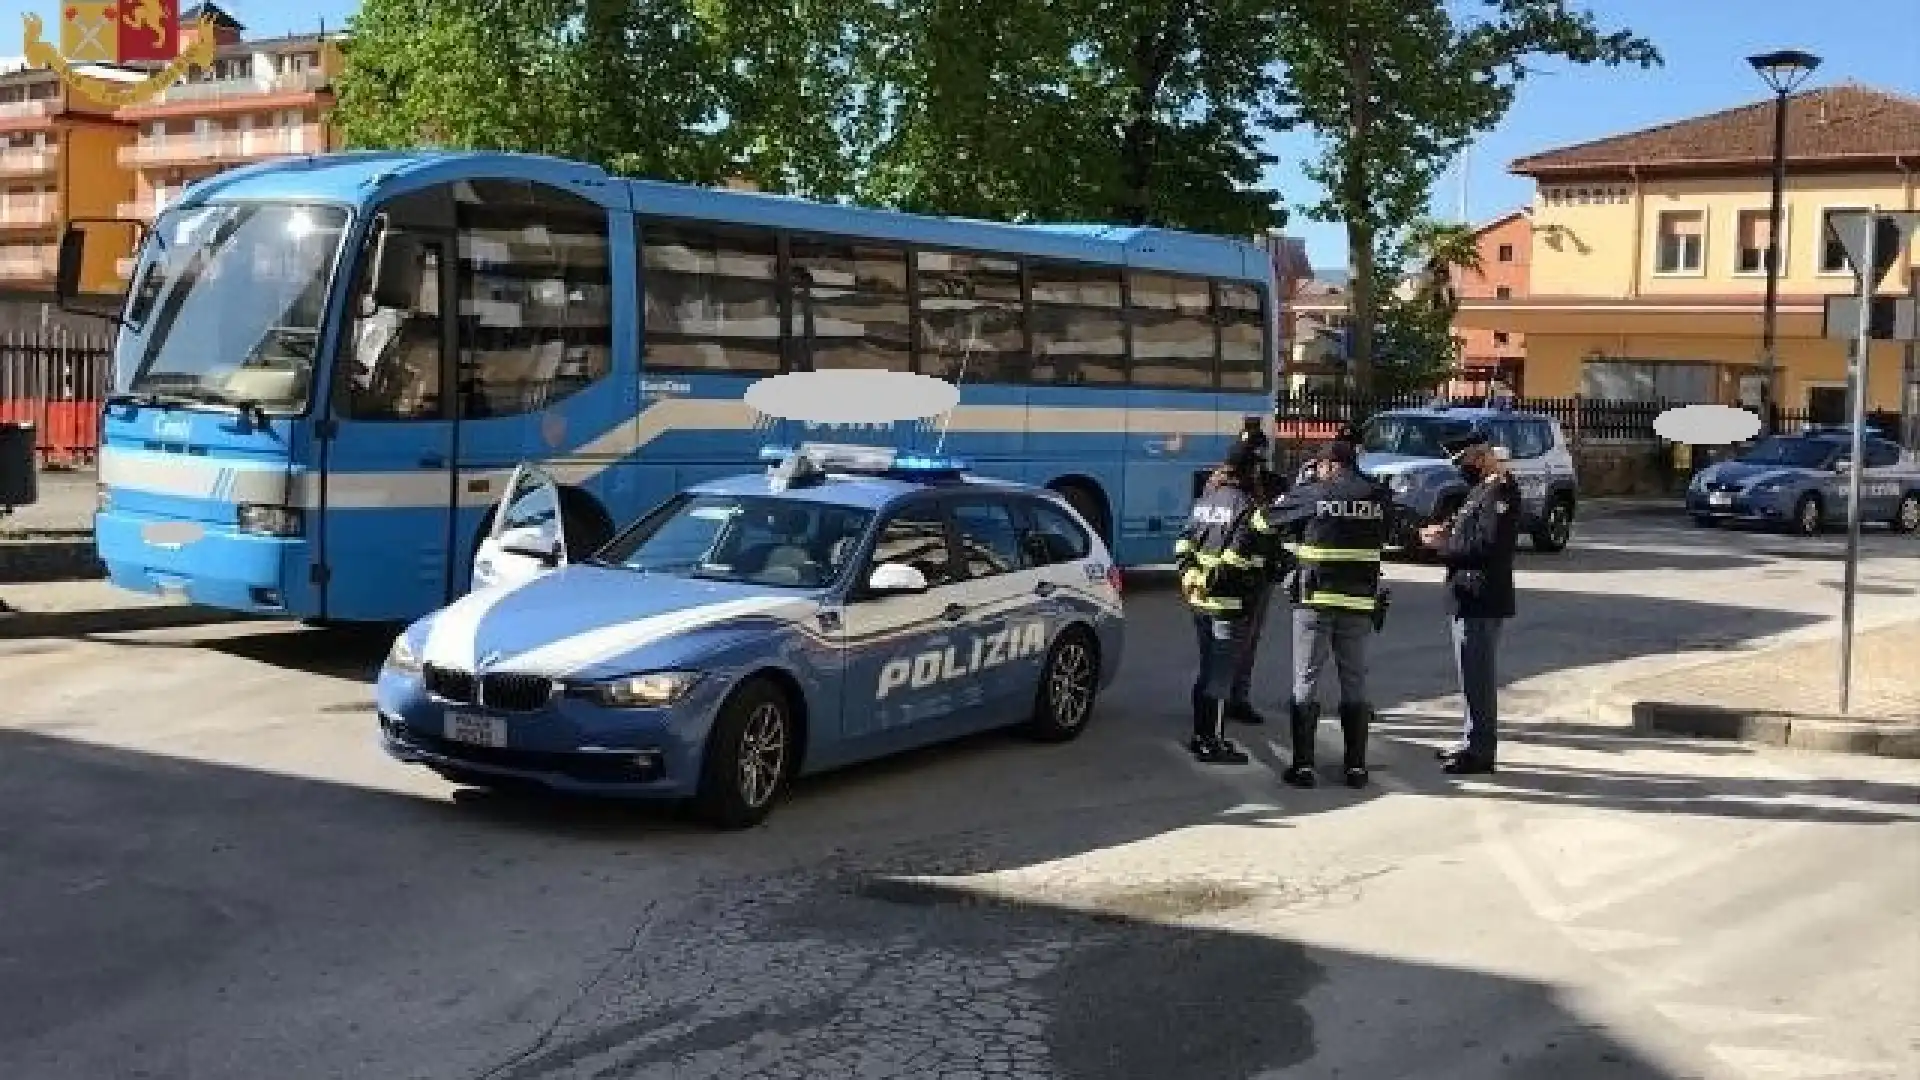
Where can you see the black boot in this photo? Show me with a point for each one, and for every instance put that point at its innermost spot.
(1209, 743)
(1303, 719)
(1354, 721)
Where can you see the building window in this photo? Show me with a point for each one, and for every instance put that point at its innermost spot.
(1506, 253)
(1833, 257)
(1683, 242)
(1499, 337)
(1649, 380)
(1502, 292)
(1755, 231)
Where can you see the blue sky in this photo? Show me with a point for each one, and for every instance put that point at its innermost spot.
(1876, 42)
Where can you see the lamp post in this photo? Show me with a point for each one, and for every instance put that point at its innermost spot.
(1784, 70)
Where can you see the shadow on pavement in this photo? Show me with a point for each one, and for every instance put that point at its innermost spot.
(1608, 558)
(302, 928)
(124, 620)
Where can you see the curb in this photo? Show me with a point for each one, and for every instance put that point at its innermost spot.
(1891, 737)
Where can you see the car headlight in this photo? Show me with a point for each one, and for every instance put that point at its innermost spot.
(401, 657)
(654, 690)
(270, 520)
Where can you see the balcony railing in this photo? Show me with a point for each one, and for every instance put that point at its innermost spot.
(27, 216)
(24, 110)
(28, 160)
(35, 263)
(226, 147)
(296, 82)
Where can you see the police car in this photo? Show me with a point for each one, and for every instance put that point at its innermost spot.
(1405, 449)
(1802, 482)
(849, 603)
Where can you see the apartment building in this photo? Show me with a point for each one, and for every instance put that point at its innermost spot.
(57, 161)
(1647, 272)
(263, 98)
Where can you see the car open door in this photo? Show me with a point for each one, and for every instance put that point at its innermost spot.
(526, 539)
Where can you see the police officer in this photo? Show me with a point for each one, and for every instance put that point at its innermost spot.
(1220, 574)
(1335, 525)
(1268, 486)
(1477, 547)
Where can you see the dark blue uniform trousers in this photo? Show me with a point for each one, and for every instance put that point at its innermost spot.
(1221, 642)
(1476, 643)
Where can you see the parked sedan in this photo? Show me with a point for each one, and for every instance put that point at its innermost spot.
(1800, 482)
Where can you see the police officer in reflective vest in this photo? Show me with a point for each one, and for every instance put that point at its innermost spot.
(1220, 575)
(1268, 485)
(1335, 527)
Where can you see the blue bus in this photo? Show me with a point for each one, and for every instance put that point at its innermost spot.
(328, 367)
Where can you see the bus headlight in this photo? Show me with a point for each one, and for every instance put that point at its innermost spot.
(265, 520)
(655, 690)
(401, 658)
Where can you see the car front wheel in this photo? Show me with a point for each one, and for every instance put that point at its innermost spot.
(1806, 516)
(1556, 528)
(749, 757)
(1907, 518)
(1063, 703)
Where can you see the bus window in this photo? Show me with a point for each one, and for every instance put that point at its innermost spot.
(1173, 331)
(536, 297)
(849, 307)
(1243, 337)
(1078, 335)
(396, 334)
(972, 323)
(712, 299)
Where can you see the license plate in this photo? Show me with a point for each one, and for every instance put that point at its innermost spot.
(1721, 498)
(476, 729)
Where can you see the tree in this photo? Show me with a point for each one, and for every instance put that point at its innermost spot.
(1442, 251)
(1396, 88)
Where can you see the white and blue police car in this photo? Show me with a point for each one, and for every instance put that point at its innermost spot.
(850, 603)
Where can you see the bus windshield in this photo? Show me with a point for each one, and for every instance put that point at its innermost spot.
(747, 539)
(227, 305)
(1411, 436)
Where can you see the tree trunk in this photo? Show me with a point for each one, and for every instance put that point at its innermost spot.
(1155, 48)
(1363, 304)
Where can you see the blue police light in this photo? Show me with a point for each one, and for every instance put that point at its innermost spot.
(857, 460)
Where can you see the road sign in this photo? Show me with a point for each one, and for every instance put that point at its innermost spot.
(1894, 318)
(1891, 233)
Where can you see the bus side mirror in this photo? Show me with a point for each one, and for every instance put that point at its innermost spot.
(73, 253)
(392, 277)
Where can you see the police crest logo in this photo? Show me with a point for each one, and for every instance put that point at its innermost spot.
(120, 32)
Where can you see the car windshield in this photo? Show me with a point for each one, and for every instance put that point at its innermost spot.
(755, 540)
(1791, 453)
(1411, 436)
(227, 305)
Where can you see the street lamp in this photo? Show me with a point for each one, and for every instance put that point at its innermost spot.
(1784, 71)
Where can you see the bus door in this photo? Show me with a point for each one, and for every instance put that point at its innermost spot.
(387, 488)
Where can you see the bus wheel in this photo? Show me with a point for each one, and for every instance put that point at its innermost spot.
(1088, 504)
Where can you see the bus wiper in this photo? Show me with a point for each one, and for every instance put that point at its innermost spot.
(151, 398)
(246, 407)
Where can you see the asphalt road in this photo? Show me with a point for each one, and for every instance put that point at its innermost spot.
(210, 872)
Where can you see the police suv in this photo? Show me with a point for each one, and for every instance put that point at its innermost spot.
(1405, 448)
(850, 603)
(1802, 482)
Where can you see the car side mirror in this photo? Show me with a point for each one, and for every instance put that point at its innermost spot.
(894, 579)
(533, 542)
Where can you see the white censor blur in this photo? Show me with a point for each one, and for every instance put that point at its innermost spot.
(1706, 425)
(852, 397)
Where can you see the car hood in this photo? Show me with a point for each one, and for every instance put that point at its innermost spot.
(1384, 465)
(587, 621)
(1746, 474)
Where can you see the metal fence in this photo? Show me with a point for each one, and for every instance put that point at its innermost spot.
(1322, 415)
(56, 382)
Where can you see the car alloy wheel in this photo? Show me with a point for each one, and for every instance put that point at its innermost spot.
(1559, 524)
(1809, 517)
(1909, 518)
(763, 754)
(1070, 684)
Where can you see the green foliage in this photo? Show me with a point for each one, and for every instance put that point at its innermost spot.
(1138, 111)
(1397, 88)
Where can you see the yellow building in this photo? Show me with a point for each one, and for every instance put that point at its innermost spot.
(1648, 272)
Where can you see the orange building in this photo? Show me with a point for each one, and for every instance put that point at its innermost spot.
(57, 162)
(1505, 245)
